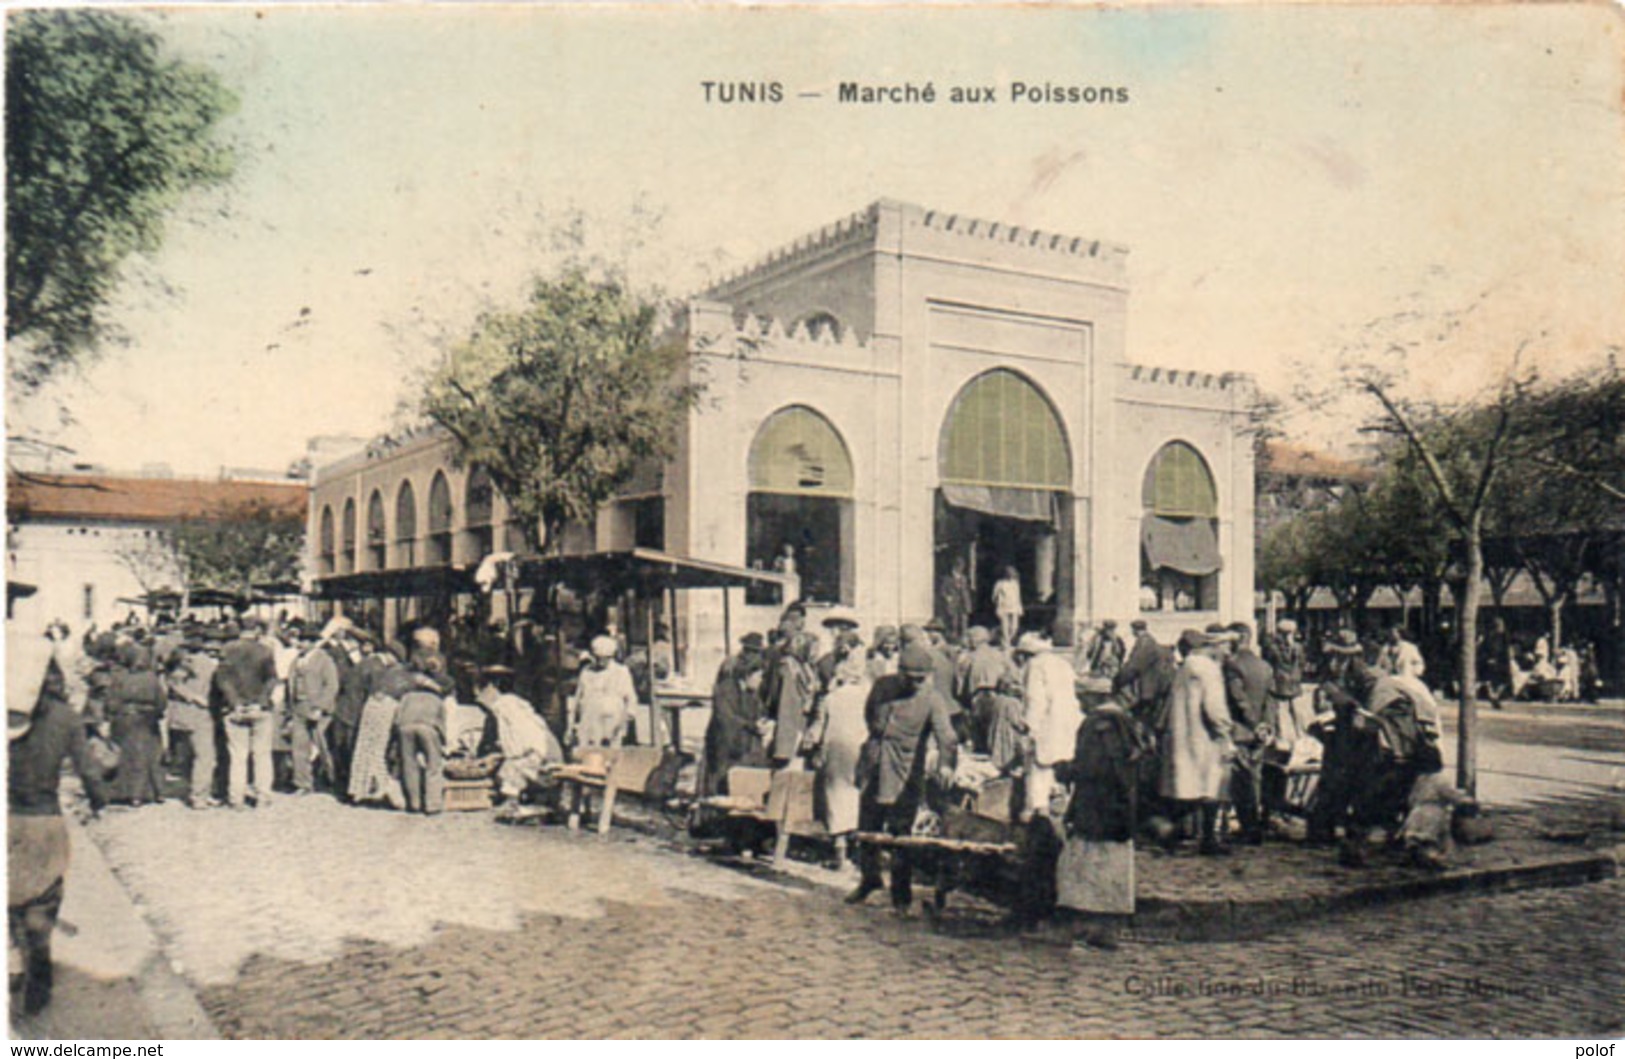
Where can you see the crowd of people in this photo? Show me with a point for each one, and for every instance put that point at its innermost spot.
(247, 709)
(1108, 739)
(1104, 740)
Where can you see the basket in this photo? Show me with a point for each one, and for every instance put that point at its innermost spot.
(466, 796)
(480, 768)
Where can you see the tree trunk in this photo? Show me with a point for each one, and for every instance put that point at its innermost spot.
(1467, 721)
(1556, 609)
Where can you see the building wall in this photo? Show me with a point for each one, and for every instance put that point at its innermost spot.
(67, 561)
(928, 302)
(417, 461)
(1153, 408)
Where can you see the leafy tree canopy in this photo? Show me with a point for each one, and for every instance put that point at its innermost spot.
(238, 546)
(104, 134)
(561, 399)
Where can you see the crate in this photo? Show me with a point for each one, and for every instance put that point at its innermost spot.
(469, 796)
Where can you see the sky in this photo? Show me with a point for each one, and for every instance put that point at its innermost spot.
(1281, 176)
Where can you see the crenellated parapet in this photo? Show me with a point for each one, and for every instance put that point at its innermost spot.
(1017, 236)
(715, 328)
(855, 229)
(1230, 389)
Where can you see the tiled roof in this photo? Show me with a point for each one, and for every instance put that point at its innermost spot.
(1299, 462)
(109, 498)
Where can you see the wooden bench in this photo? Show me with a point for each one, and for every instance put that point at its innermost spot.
(629, 770)
(783, 800)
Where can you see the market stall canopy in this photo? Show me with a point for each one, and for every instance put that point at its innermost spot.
(395, 584)
(1190, 546)
(639, 569)
(171, 599)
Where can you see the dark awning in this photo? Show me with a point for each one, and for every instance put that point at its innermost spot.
(638, 569)
(1028, 505)
(395, 584)
(1188, 545)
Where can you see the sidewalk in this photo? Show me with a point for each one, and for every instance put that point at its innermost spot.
(1259, 890)
(112, 980)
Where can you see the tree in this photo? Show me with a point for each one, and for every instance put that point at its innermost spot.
(104, 135)
(560, 400)
(1463, 450)
(236, 546)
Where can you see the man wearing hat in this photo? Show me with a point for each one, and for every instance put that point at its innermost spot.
(604, 700)
(190, 680)
(1199, 728)
(733, 737)
(1337, 700)
(977, 680)
(894, 779)
(1146, 676)
(42, 731)
(842, 626)
(1103, 656)
(313, 690)
(1050, 713)
(1284, 654)
(245, 678)
(1247, 679)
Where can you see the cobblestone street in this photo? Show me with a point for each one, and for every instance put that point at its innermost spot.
(312, 920)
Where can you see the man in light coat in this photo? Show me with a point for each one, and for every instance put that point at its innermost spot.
(1199, 747)
(1051, 715)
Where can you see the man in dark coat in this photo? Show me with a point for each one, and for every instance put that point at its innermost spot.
(356, 685)
(1338, 699)
(43, 732)
(733, 737)
(1247, 681)
(1146, 677)
(893, 769)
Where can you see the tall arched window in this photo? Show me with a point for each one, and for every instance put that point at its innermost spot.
(1005, 504)
(377, 532)
(347, 538)
(328, 547)
(1179, 534)
(406, 525)
(479, 504)
(440, 519)
(799, 512)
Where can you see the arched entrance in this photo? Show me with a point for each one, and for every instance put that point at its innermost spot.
(1005, 470)
(800, 504)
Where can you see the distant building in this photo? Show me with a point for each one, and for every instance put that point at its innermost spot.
(900, 392)
(90, 542)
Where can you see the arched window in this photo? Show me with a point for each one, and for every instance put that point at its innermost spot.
(347, 538)
(799, 512)
(406, 525)
(1179, 534)
(328, 547)
(1179, 485)
(440, 519)
(377, 532)
(479, 503)
(1005, 468)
